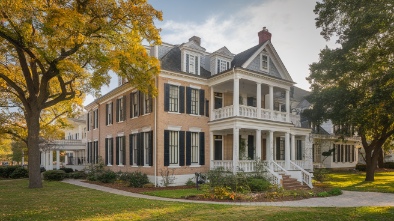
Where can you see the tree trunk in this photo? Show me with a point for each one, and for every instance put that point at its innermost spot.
(370, 165)
(33, 131)
(380, 160)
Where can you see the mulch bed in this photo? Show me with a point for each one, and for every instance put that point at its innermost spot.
(253, 197)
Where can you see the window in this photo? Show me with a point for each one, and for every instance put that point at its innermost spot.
(109, 117)
(299, 150)
(147, 147)
(95, 152)
(89, 154)
(120, 109)
(147, 104)
(192, 64)
(194, 148)
(343, 153)
(88, 121)
(280, 148)
(218, 100)
(109, 149)
(174, 147)
(134, 107)
(174, 94)
(95, 119)
(134, 149)
(264, 62)
(222, 65)
(194, 101)
(120, 150)
(316, 153)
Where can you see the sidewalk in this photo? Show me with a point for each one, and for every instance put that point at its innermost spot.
(347, 199)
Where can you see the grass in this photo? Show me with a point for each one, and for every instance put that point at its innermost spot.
(177, 194)
(61, 201)
(384, 181)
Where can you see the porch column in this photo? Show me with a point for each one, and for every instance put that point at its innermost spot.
(51, 159)
(270, 145)
(258, 144)
(287, 105)
(57, 159)
(271, 101)
(293, 142)
(287, 151)
(236, 96)
(47, 160)
(212, 104)
(65, 158)
(211, 140)
(258, 100)
(235, 149)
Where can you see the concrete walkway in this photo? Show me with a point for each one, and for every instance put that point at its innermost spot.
(347, 199)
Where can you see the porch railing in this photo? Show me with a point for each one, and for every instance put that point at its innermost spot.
(226, 164)
(277, 167)
(306, 176)
(247, 165)
(251, 112)
(304, 164)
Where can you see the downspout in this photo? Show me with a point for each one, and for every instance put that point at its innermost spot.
(99, 131)
(156, 55)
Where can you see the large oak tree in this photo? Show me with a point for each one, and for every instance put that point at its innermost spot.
(51, 51)
(353, 85)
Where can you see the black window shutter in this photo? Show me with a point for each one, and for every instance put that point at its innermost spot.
(131, 149)
(197, 66)
(142, 161)
(228, 65)
(207, 108)
(106, 114)
(131, 105)
(218, 67)
(151, 148)
(117, 110)
(202, 97)
(117, 150)
(111, 141)
(188, 148)
(187, 63)
(166, 148)
(112, 113)
(150, 104)
(141, 102)
(202, 148)
(106, 151)
(166, 97)
(124, 110)
(188, 100)
(250, 147)
(250, 101)
(181, 99)
(124, 147)
(278, 148)
(88, 123)
(88, 152)
(181, 148)
(333, 153)
(139, 149)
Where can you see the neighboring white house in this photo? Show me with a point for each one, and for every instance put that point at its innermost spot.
(73, 147)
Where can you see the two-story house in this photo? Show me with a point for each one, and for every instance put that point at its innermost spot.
(214, 109)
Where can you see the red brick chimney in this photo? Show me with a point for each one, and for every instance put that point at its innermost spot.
(264, 35)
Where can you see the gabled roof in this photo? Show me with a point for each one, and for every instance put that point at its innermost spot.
(224, 52)
(242, 57)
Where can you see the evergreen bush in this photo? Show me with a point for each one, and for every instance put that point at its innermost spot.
(54, 175)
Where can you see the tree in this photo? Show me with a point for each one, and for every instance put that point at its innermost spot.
(56, 50)
(18, 149)
(353, 85)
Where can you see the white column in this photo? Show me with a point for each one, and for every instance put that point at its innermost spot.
(65, 159)
(51, 159)
(293, 142)
(270, 145)
(57, 159)
(271, 93)
(287, 151)
(235, 149)
(258, 100)
(287, 105)
(236, 96)
(212, 104)
(258, 144)
(211, 146)
(47, 160)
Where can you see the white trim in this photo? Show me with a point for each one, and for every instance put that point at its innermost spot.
(146, 129)
(256, 53)
(194, 129)
(109, 136)
(261, 62)
(121, 134)
(134, 131)
(174, 166)
(194, 86)
(174, 83)
(195, 165)
(174, 128)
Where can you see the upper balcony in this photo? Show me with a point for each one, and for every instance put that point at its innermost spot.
(253, 98)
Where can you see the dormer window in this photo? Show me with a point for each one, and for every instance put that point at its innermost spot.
(192, 64)
(264, 66)
(222, 65)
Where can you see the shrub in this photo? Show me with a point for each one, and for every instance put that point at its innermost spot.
(107, 176)
(78, 175)
(67, 170)
(320, 174)
(258, 185)
(220, 178)
(361, 167)
(19, 172)
(135, 179)
(54, 175)
(335, 192)
(388, 165)
(8, 170)
(190, 182)
(323, 194)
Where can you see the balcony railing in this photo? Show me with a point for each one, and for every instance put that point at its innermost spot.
(252, 112)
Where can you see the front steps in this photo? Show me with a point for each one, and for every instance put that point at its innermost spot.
(292, 184)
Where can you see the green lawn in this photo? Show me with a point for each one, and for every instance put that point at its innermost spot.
(384, 182)
(177, 194)
(61, 201)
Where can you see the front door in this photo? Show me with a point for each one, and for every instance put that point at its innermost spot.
(218, 148)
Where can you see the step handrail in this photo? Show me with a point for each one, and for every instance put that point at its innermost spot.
(306, 176)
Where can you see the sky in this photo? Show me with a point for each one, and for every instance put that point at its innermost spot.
(235, 24)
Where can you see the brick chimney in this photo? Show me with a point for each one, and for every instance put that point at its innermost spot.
(264, 35)
(196, 39)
